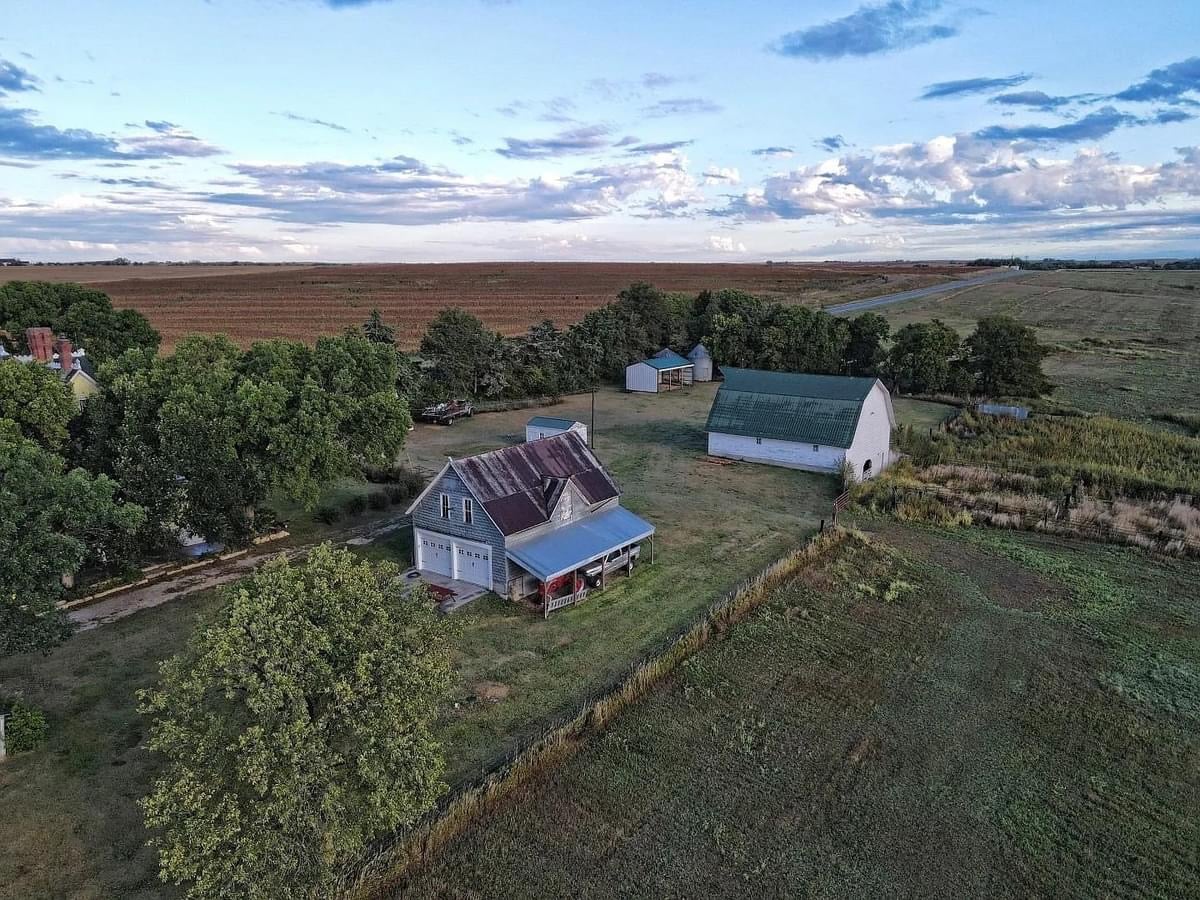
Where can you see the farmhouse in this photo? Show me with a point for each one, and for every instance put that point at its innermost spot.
(664, 371)
(540, 520)
(813, 422)
(548, 426)
(58, 355)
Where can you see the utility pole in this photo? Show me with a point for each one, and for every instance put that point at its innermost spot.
(592, 427)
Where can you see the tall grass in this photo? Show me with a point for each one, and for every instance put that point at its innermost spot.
(393, 859)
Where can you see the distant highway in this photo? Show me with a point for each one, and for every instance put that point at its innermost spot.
(843, 309)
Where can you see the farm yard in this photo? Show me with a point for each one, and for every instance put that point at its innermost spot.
(252, 303)
(1127, 342)
(933, 714)
(72, 828)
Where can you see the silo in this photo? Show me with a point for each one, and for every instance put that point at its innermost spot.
(702, 364)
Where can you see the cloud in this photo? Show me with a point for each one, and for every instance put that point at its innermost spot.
(717, 175)
(1170, 84)
(867, 31)
(460, 139)
(14, 79)
(831, 144)
(1032, 100)
(663, 147)
(587, 139)
(773, 151)
(309, 120)
(1091, 127)
(1168, 116)
(723, 243)
(941, 89)
(681, 106)
(656, 80)
(405, 191)
(23, 137)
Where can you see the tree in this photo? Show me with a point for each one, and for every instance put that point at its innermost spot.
(52, 522)
(84, 314)
(459, 351)
(296, 728)
(37, 400)
(1005, 359)
(865, 353)
(921, 357)
(377, 331)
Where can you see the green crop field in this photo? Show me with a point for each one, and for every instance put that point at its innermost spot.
(1128, 342)
(941, 715)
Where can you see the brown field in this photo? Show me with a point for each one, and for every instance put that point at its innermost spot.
(254, 302)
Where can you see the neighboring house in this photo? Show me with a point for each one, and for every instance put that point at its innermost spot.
(60, 356)
(702, 363)
(665, 371)
(524, 521)
(813, 422)
(548, 426)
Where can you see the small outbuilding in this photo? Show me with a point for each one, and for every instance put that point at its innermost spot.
(665, 371)
(702, 363)
(540, 427)
(813, 422)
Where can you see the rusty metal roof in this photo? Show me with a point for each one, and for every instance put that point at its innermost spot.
(519, 485)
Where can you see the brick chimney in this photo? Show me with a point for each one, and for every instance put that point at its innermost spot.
(41, 343)
(66, 361)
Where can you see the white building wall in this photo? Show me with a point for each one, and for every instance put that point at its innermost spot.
(641, 377)
(537, 432)
(702, 368)
(778, 453)
(873, 436)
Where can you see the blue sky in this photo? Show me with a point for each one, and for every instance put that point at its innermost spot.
(400, 130)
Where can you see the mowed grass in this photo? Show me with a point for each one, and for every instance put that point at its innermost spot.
(1127, 342)
(71, 827)
(1000, 715)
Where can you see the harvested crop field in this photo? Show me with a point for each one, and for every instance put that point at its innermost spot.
(977, 714)
(251, 303)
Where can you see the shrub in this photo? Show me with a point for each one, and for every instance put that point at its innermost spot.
(412, 482)
(355, 504)
(25, 728)
(395, 494)
(328, 513)
(378, 500)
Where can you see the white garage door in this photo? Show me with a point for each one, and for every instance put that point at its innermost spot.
(473, 563)
(433, 553)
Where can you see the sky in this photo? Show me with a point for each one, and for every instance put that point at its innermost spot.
(456, 130)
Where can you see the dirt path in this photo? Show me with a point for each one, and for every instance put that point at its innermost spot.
(102, 612)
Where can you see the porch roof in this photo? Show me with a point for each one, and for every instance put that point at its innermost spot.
(574, 545)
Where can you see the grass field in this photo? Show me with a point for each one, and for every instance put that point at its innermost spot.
(254, 302)
(1128, 342)
(945, 716)
(70, 826)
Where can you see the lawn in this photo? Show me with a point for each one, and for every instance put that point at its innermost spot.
(1127, 342)
(71, 827)
(971, 714)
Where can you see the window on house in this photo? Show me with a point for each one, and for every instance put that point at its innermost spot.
(468, 511)
(445, 506)
(816, 448)
(758, 440)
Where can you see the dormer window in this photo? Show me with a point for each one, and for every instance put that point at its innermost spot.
(445, 506)
(468, 511)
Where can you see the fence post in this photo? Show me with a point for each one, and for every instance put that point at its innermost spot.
(3, 748)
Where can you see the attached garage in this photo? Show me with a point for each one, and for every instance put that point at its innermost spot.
(453, 557)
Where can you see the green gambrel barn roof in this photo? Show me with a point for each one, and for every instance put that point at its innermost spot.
(805, 409)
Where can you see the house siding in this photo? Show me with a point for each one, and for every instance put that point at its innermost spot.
(641, 377)
(428, 517)
(780, 453)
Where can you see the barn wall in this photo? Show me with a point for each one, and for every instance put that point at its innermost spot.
(872, 437)
(778, 453)
(428, 516)
(641, 377)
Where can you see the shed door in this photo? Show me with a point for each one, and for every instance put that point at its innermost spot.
(433, 553)
(473, 563)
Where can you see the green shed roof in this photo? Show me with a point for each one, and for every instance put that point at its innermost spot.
(806, 409)
(668, 360)
(552, 422)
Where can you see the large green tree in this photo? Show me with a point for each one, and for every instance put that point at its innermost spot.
(52, 522)
(460, 354)
(84, 314)
(922, 357)
(1005, 358)
(866, 354)
(296, 728)
(37, 400)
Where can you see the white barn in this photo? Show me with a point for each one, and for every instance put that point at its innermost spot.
(548, 426)
(812, 422)
(702, 363)
(665, 371)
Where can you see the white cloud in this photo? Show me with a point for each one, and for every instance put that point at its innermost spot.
(723, 243)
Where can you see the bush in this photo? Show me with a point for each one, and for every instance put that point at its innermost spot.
(25, 728)
(355, 504)
(328, 513)
(395, 494)
(378, 500)
(412, 482)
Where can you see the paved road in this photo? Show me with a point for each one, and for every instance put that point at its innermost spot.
(844, 309)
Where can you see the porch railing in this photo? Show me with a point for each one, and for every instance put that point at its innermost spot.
(553, 603)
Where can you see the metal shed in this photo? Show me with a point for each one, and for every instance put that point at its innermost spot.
(665, 371)
(702, 363)
(548, 426)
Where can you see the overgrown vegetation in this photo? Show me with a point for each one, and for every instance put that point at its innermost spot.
(25, 727)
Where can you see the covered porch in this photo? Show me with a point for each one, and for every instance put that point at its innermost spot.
(557, 563)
